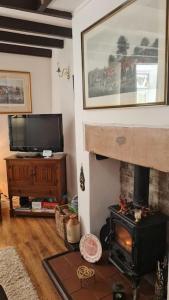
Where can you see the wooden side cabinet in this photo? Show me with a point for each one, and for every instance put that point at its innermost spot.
(36, 177)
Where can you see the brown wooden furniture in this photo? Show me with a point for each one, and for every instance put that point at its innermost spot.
(36, 177)
(62, 269)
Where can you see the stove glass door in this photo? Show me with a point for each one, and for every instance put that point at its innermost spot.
(123, 237)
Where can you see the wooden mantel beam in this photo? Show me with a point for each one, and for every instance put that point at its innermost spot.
(144, 146)
(34, 27)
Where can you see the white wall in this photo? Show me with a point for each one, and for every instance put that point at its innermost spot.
(63, 102)
(104, 189)
(40, 69)
(85, 16)
(156, 115)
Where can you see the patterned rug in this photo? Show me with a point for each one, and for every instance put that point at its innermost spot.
(14, 278)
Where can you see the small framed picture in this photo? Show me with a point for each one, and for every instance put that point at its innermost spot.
(15, 92)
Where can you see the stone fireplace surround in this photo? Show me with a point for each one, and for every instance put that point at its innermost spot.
(145, 146)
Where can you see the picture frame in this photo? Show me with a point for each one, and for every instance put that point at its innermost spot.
(15, 92)
(125, 56)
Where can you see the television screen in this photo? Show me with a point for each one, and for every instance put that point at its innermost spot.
(36, 132)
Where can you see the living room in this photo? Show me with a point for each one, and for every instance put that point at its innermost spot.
(54, 94)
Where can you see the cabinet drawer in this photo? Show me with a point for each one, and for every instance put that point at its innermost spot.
(19, 173)
(19, 191)
(43, 192)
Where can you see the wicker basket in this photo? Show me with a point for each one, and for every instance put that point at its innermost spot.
(61, 218)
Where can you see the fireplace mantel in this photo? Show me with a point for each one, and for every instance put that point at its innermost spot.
(145, 146)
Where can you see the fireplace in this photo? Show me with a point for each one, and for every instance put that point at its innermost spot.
(145, 241)
(137, 244)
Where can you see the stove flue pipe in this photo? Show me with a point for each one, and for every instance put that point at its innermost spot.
(141, 186)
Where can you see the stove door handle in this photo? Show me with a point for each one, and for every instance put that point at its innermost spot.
(116, 265)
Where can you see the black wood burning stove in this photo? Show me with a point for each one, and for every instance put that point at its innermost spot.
(135, 247)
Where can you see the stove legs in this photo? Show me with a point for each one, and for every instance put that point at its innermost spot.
(136, 282)
(136, 293)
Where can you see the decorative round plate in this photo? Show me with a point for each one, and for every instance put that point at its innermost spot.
(90, 248)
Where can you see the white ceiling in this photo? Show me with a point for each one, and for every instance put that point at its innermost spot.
(67, 5)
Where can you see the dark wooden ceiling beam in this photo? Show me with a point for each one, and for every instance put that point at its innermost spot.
(44, 4)
(26, 4)
(17, 38)
(23, 50)
(35, 27)
(48, 11)
(58, 13)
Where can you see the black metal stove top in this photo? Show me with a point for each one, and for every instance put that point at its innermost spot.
(150, 216)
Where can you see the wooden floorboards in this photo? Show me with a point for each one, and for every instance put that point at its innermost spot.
(34, 239)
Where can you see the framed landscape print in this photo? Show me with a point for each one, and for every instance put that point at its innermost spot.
(125, 56)
(15, 92)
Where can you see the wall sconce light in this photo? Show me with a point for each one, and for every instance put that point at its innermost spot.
(65, 72)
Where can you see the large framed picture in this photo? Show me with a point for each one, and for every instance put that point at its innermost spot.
(15, 92)
(125, 56)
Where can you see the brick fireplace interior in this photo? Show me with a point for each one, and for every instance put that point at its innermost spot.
(158, 186)
(147, 147)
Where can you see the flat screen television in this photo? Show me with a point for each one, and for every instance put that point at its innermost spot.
(35, 133)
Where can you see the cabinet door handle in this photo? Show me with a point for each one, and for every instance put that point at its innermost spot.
(33, 172)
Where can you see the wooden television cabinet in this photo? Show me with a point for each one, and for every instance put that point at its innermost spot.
(36, 177)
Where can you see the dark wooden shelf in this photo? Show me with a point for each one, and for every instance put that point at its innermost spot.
(31, 213)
